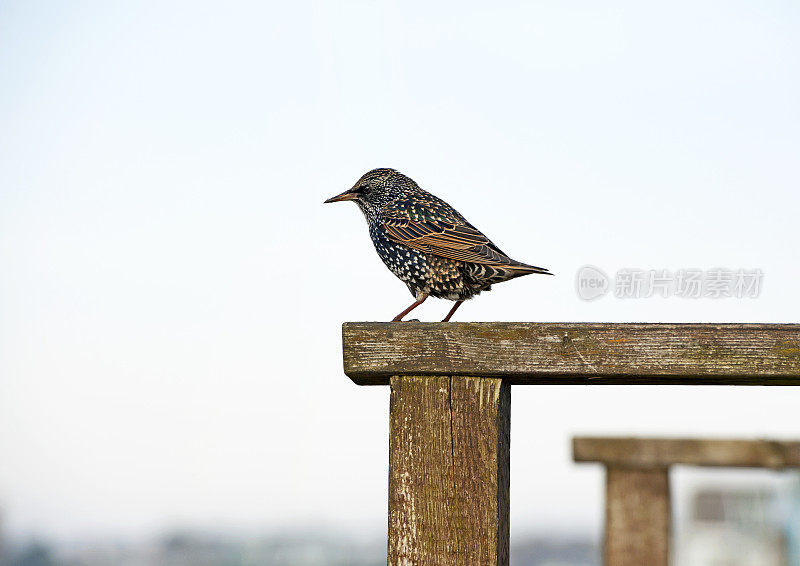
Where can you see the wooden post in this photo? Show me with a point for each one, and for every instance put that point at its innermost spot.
(449, 470)
(637, 517)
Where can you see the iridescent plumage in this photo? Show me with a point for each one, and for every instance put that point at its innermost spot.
(426, 243)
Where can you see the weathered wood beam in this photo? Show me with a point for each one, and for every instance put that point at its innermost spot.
(576, 353)
(449, 470)
(656, 452)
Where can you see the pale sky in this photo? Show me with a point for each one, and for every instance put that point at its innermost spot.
(173, 288)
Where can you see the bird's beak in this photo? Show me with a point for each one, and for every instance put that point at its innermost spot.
(347, 195)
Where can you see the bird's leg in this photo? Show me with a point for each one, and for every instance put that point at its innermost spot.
(417, 303)
(455, 306)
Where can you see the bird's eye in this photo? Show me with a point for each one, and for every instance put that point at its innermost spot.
(364, 189)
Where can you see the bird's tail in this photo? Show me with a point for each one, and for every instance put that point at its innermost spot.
(525, 269)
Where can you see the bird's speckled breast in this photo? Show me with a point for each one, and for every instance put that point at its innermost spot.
(408, 264)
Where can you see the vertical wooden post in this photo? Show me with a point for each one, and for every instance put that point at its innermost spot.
(637, 516)
(449, 470)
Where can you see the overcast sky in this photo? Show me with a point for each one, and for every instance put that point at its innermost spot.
(172, 287)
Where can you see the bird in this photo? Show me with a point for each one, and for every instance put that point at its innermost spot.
(426, 242)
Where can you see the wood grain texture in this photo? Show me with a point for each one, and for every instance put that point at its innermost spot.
(576, 353)
(658, 452)
(449, 471)
(637, 517)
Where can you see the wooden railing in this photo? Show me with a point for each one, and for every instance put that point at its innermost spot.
(638, 505)
(451, 401)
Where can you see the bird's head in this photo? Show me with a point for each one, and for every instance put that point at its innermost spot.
(375, 189)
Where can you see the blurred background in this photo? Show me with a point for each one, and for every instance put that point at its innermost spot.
(172, 287)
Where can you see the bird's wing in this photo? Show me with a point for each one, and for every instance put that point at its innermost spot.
(436, 228)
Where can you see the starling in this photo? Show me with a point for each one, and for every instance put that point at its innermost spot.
(426, 243)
